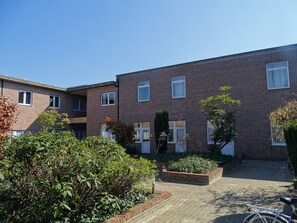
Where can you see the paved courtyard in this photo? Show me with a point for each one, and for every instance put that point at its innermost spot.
(224, 201)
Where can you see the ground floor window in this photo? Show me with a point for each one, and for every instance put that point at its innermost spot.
(106, 134)
(18, 133)
(177, 135)
(80, 134)
(141, 132)
(277, 135)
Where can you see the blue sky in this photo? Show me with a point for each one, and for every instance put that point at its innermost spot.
(74, 42)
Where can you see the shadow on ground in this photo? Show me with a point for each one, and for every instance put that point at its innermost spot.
(262, 170)
(233, 218)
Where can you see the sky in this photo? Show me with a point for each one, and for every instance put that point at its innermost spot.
(74, 42)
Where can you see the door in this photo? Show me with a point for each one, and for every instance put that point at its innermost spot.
(180, 145)
(145, 142)
(228, 149)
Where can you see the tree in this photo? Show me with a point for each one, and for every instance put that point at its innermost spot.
(161, 130)
(7, 118)
(220, 112)
(123, 132)
(50, 120)
(286, 113)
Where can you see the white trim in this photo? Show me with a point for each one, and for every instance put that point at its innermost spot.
(144, 86)
(179, 81)
(24, 97)
(277, 68)
(108, 98)
(54, 102)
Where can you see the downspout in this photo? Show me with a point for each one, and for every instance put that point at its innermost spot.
(118, 97)
(2, 84)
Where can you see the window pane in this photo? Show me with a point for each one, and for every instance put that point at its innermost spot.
(171, 135)
(75, 104)
(180, 136)
(278, 135)
(143, 94)
(146, 135)
(28, 98)
(57, 102)
(278, 78)
(104, 99)
(137, 135)
(179, 89)
(21, 97)
(51, 101)
(277, 64)
(111, 98)
(82, 105)
(143, 83)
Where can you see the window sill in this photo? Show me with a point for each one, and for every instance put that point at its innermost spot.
(29, 105)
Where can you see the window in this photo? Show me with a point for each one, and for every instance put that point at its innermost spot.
(18, 133)
(177, 132)
(54, 102)
(108, 98)
(80, 134)
(143, 91)
(141, 132)
(277, 135)
(178, 85)
(277, 75)
(106, 134)
(25, 97)
(79, 105)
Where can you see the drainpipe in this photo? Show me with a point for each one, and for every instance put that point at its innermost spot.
(118, 98)
(2, 83)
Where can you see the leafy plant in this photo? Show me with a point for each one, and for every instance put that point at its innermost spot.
(52, 120)
(290, 132)
(192, 164)
(53, 177)
(220, 112)
(7, 118)
(123, 132)
(286, 113)
(161, 130)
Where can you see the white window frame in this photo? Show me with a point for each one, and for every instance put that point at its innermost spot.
(54, 101)
(178, 81)
(108, 98)
(79, 105)
(175, 128)
(273, 143)
(24, 98)
(144, 86)
(141, 129)
(277, 68)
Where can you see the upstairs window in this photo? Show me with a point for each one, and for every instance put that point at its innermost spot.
(107, 99)
(79, 105)
(277, 75)
(277, 135)
(178, 85)
(25, 97)
(54, 102)
(143, 91)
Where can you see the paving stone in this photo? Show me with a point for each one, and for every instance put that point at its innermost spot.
(224, 201)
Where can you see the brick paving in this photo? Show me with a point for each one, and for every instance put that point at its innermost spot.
(224, 201)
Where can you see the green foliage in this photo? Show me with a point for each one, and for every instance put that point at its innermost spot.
(220, 112)
(290, 132)
(161, 126)
(192, 164)
(53, 177)
(123, 132)
(286, 113)
(52, 120)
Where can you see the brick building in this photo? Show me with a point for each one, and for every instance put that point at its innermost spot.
(262, 80)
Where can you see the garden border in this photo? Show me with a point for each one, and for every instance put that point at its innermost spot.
(159, 197)
(200, 179)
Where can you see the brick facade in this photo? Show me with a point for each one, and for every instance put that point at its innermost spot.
(245, 73)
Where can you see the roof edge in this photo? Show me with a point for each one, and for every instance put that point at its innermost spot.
(285, 47)
(88, 86)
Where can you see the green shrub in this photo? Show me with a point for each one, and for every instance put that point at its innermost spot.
(192, 164)
(53, 177)
(290, 132)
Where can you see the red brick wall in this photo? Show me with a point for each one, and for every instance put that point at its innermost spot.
(27, 115)
(95, 112)
(245, 73)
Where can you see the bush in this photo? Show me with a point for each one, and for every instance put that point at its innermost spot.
(53, 177)
(290, 132)
(192, 164)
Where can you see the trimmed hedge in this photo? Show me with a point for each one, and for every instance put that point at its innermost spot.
(192, 164)
(290, 133)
